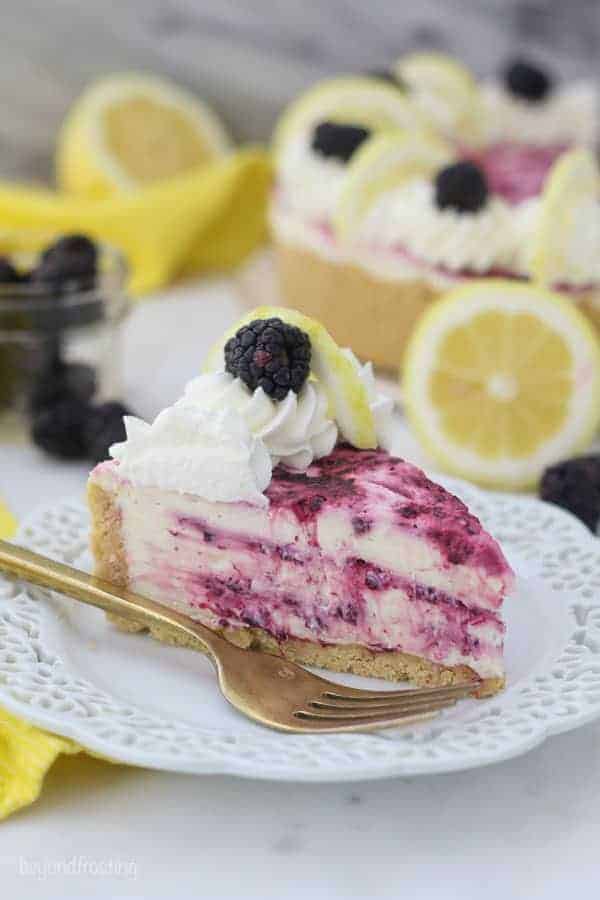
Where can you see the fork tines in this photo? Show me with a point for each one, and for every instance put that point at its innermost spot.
(345, 707)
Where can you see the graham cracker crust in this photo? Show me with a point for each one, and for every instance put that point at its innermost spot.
(111, 564)
(372, 316)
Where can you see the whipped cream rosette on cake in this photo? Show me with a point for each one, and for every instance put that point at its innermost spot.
(388, 192)
(514, 125)
(265, 505)
(529, 120)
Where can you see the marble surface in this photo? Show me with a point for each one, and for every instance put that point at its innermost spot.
(526, 828)
(249, 59)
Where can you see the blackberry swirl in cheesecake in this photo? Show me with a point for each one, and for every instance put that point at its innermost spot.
(265, 505)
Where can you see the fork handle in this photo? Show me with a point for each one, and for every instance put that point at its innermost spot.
(45, 572)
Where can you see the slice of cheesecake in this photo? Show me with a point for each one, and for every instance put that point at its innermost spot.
(358, 564)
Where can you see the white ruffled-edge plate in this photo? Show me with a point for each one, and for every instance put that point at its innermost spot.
(63, 668)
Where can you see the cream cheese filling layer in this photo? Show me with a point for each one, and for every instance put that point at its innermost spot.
(178, 552)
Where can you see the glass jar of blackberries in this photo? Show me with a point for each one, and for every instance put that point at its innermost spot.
(60, 317)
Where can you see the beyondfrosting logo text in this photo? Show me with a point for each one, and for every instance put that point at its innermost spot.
(43, 868)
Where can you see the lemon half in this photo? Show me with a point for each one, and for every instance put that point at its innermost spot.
(347, 394)
(501, 380)
(128, 130)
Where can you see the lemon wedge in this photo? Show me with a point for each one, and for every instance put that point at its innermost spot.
(501, 380)
(444, 90)
(346, 392)
(368, 102)
(131, 129)
(565, 242)
(383, 162)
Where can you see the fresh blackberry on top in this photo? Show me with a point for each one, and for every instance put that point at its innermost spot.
(340, 141)
(527, 81)
(71, 258)
(461, 186)
(269, 354)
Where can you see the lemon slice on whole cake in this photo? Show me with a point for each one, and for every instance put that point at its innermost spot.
(367, 102)
(444, 90)
(501, 380)
(383, 162)
(566, 237)
(128, 130)
(347, 393)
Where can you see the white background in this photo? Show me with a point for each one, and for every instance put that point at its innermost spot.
(527, 828)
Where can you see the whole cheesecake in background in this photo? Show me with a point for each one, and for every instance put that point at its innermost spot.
(265, 505)
(364, 240)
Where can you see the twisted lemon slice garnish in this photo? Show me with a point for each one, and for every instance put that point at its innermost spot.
(445, 92)
(367, 102)
(566, 239)
(382, 163)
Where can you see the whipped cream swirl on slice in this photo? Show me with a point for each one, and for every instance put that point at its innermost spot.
(408, 219)
(295, 431)
(381, 405)
(221, 441)
(193, 449)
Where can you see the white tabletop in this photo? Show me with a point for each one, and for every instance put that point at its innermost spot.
(525, 828)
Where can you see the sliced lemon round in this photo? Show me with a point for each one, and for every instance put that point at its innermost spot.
(368, 102)
(131, 129)
(565, 242)
(501, 380)
(347, 394)
(444, 90)
(383, 162)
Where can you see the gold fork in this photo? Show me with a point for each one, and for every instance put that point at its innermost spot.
(268, 689)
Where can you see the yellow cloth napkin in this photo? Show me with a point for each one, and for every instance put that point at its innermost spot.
(26, 752)
(208, 218)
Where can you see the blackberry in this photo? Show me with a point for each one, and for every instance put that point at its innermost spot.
(270, 354)
(574, 484)
(72, 258)
(331, 139)
(524, 80)
(461, 186)
(61, 381)
(8, 273)
(104, 427)
(58, 430)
